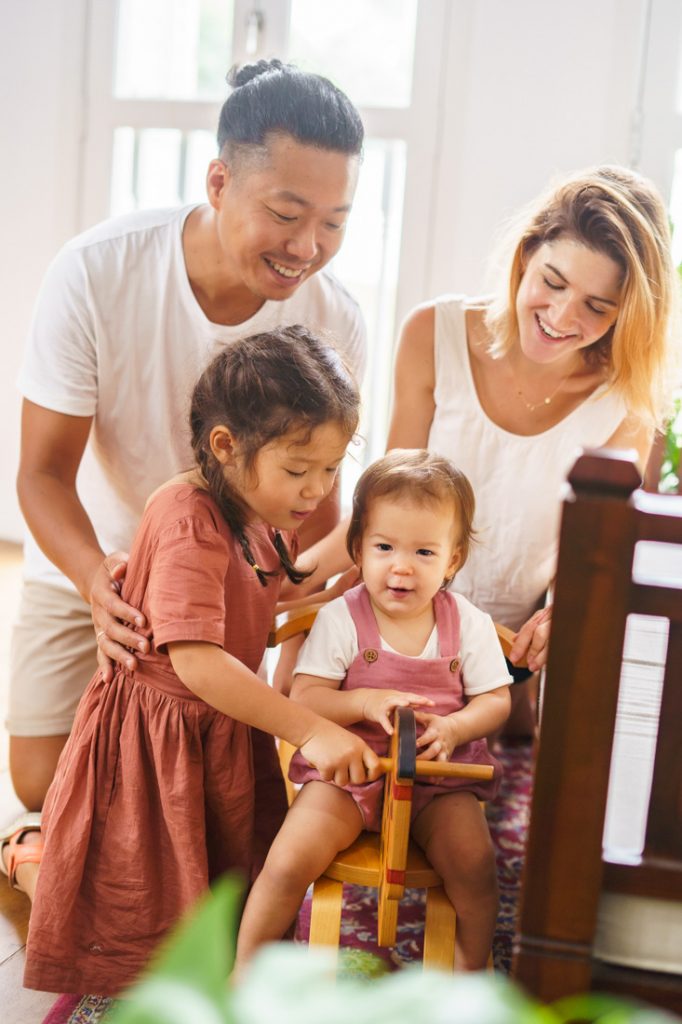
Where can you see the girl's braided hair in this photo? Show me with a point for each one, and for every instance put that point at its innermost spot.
(262, 388)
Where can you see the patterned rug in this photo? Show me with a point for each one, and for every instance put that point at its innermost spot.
(508, 820)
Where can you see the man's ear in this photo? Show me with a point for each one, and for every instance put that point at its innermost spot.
(223, 444)
(218, 178)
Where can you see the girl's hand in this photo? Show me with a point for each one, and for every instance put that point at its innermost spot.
(379, 705)
(339, 756)
(532, 640)
(439, 738)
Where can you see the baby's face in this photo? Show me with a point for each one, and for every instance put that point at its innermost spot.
(406, 552)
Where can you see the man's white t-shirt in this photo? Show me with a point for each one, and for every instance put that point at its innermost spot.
(333, 644)
(118, 334)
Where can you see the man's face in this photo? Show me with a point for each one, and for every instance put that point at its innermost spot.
(281, 218)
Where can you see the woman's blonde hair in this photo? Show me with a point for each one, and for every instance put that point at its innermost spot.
(419, 476)
(613, 211)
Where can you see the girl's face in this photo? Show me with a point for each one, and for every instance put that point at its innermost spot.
(567, 300)
(407, 550)
(291, 475)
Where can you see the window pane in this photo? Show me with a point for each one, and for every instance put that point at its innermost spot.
(367, 264)
(159, 167)
(366, 48)
(173, 49)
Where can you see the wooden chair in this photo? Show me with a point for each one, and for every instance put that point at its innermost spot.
(569, 880)
(389, 861)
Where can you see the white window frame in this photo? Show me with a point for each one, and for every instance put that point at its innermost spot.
(417, 125)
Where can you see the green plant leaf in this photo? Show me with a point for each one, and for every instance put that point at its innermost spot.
(606, 1009)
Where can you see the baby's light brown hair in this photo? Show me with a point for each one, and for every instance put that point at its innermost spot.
(421, 477)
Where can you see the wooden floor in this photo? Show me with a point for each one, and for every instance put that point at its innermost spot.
(17, 1005)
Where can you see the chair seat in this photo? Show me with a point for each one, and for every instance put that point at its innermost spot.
(359, 864)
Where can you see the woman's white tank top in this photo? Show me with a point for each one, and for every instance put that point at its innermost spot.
(518, 481)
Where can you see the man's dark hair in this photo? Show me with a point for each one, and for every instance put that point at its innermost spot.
(272, 98)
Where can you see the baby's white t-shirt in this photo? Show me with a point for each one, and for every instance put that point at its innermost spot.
(333, 644)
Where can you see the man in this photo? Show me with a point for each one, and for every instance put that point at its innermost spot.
(128, 315)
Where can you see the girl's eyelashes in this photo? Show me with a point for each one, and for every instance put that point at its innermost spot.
(593, 309)
(552, 285)
(425, 551)
(332, 470)
(381, 546)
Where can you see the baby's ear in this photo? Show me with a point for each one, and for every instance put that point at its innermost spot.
(455, 561)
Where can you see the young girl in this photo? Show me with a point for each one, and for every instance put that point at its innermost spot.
(154, 794)
(430, 649)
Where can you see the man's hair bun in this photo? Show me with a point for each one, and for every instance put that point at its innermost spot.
(237, 75)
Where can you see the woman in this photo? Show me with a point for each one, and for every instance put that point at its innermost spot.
(573, 351)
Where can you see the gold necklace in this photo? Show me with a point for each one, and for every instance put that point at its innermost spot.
(532, 406)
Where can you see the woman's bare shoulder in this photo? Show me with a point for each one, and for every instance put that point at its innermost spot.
(418, 325)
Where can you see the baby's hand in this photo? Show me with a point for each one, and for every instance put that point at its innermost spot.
(380, 704)
(439, 738)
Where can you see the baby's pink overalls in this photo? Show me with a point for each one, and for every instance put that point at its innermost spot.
(440, 679)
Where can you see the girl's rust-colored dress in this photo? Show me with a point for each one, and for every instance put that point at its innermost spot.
(155, 793)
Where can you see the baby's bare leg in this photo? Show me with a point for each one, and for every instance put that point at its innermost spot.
(322, 820)
(454, 835)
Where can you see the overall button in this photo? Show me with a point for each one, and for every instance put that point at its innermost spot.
(454, 664)
(370, 655)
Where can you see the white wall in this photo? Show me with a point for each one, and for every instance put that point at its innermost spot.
(41, 55)
(531, 88)
(535, 88)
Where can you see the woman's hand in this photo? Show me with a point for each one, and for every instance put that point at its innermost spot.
(379, 705)
(109, 615)
(339, 756)
(439, 738)
(532, 640)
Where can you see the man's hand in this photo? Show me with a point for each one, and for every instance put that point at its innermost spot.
(110, 615)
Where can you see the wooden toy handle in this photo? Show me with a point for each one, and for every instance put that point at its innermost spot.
(445, 768)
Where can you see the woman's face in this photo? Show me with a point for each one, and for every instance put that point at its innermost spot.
(567, 300)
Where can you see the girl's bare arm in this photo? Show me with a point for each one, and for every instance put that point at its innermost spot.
(229, 686)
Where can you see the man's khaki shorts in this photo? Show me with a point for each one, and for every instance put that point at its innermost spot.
(53, 657)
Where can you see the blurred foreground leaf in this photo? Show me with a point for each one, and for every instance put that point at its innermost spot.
(187, 980)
